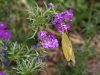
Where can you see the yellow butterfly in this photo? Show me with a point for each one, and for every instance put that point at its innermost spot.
(67, 48)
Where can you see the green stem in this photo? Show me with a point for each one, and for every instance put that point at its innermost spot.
(23, 44)
(54, 10)
(89, 19)
(3, 67)
(26, 41)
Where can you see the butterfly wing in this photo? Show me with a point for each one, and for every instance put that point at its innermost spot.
(73, 57)
(67, 48)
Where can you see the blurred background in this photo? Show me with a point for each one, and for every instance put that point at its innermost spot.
(84, 33)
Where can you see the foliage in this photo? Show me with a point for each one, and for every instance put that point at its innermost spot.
(29, 66)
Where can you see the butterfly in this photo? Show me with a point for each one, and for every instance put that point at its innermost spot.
(67, 48)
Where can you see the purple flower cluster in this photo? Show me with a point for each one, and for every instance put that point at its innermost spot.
(2, 73)
(48, 41)
(4, 32)
(61, 20)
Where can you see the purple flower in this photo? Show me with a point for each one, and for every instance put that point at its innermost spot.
(58, 18)
(38, 58)
(6, 43)
(66, 26)
(2, 73)
(54, 43)
(46, 44)
(2, 31)
(42, 34)
(46, 57)
(7, 34)
(60, 27)
(3, 25)
(50, 44)
(51, 36)
(38, 44)
(6, 62)
(68, 14)
(3, 53)
(50, 16)
(34, 46)
(51, 5)
(58, 6)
